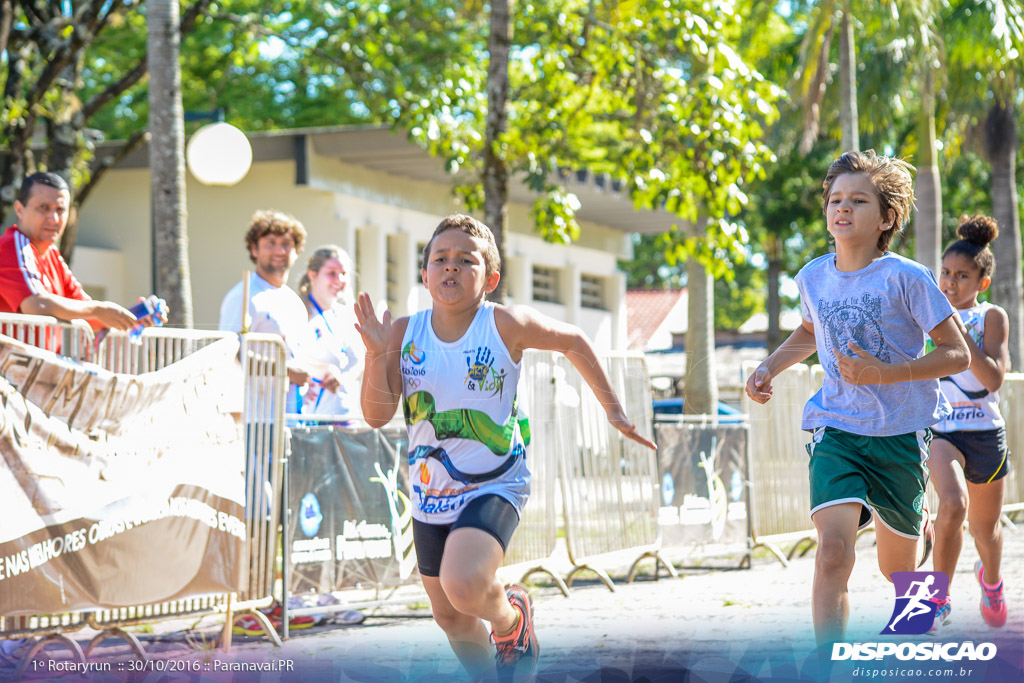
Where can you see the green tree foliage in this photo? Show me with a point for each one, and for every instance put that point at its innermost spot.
(67, 69)
(896, 44)
(986, 41)
(652, 93)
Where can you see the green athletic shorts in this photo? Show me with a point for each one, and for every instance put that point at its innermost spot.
(883, 473)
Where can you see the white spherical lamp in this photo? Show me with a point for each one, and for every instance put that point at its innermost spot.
(219, 154)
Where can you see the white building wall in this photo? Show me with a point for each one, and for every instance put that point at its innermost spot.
(102, 273)
(375, 216)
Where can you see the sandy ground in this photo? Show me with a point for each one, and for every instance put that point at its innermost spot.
(714, 623)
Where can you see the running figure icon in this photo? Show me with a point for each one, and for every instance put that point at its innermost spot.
(917, 598)
(918, 601)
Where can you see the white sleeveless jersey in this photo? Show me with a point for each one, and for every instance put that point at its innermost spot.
(466, 436)
(975, 408)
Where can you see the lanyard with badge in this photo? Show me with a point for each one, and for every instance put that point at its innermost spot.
(327, 324)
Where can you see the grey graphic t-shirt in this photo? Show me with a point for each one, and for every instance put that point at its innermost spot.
(887, 308)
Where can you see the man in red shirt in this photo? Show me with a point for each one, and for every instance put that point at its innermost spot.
(34, 279)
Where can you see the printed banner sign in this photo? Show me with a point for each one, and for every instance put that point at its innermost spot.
(351, 524)
(703, 483)
(118, 490)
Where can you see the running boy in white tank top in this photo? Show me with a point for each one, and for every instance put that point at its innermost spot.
(971, 443)
(456, 368)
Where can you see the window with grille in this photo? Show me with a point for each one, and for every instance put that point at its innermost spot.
(392, 279)
(545, 284)
(420, 246)
(357, 281)
(592, 291)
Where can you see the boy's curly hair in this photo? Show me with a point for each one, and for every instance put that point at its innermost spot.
(892, 179)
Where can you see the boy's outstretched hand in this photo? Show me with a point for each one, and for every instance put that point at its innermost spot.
(375, 333)
(628, 429)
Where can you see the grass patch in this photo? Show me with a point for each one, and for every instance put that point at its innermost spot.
(200, 642)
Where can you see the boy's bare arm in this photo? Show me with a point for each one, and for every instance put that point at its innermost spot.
(949, 357)
(382, 383)
(797, 347)
(524, 329)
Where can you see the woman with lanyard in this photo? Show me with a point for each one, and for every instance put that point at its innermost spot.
(324, 290)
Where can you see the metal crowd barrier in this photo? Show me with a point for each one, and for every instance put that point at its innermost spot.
(349, 523)
(780, 492)
(75, 340)
(533, 544)
(1011, 403)
(780, 488)
(263, 359)
(609, 484)
(703, 461)
(263, 364)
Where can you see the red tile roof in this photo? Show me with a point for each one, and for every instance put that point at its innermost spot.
(646, 310)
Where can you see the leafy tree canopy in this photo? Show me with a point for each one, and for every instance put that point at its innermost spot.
(654, 94)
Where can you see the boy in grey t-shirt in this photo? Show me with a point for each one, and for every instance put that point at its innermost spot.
(884, 308)
(866, 311)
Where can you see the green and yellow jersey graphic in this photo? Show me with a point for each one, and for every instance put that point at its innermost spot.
(465, 423)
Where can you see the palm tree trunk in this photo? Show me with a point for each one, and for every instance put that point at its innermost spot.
(167, 162)
(64, 132)
(495, 173)
(774, 303)
(928, 218)
(848, 82)
(1001, 146)
(701, 391)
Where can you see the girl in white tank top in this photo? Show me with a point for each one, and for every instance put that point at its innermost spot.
(975, 408)
(972, 438)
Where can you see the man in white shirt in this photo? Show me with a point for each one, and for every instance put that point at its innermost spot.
(274, 241)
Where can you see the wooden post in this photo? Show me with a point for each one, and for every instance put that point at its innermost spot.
(245, 302)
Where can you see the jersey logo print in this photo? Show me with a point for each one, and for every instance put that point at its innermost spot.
(855, 320)
(479, 367)
(481, 375)
(465, 423)
(422, 453)
(411, 353)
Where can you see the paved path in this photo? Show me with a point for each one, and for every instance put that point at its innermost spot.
(710, 625)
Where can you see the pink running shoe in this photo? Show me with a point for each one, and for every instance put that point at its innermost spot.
(993, 605)
(517, 652)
